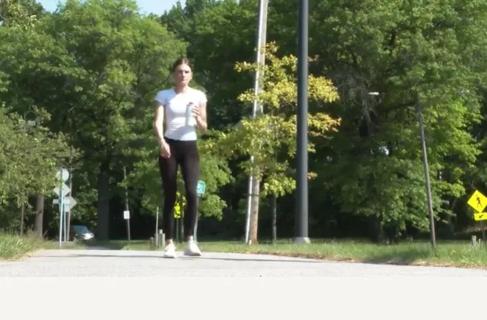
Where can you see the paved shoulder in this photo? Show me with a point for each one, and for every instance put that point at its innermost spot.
(106, 284)
(103, 263)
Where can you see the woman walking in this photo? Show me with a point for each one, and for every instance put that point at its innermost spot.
(179, 112)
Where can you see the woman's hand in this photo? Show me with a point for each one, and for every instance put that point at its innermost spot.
(165, 150)
(199, 113)
(196, 113)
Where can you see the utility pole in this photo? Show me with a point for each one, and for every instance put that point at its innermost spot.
(253, 188)
(127, 211)
(69, 213)
(301, 218)
(426, 173)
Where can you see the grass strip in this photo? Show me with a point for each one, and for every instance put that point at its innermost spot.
(448, 253)
(13, 246)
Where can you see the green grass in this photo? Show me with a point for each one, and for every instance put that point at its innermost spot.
(448, 253)
(12, 246)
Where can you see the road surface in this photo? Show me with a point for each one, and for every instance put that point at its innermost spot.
(111, 284)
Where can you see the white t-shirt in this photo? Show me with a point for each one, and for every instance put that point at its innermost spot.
(179, 124)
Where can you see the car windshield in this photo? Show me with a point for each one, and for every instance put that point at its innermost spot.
(80, 229)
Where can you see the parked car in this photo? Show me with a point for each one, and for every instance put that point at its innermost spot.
(81, 232)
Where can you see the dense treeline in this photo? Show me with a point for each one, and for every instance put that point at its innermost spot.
(89, 71)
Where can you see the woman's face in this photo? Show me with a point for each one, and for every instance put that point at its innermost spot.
(182, 74)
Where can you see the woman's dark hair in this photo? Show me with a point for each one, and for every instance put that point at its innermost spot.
(180, 61)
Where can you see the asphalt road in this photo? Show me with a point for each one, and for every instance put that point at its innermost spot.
(110, 284)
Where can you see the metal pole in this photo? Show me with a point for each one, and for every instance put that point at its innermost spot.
(65, 212)
(301, 218)
(426, 174)
(65, 223)
(257, 107)
(261, 42)
(126, 203)
(156, 236)
(68, 213)
(61, 207)
(249, 205)
(195, 230)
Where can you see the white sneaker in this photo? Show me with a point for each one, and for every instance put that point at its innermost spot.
(169, 251)
(192, 249)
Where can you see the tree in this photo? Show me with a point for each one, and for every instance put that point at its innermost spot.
(30, 156)
(403, 50)
(19, 13)
(125, 59)
(98, 77)
(19, 19)
(269, 138)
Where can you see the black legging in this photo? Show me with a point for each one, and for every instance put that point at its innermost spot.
(185, 154)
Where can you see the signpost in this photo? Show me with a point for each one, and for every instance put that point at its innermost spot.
(126, 212)
(64, 201)
(479, 216)
(478, 202)
(200, 190)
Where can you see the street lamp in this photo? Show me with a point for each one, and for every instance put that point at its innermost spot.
(301, 218)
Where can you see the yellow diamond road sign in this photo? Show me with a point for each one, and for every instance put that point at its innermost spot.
(477, 201)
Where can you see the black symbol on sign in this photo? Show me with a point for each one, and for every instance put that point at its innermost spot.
(479, 202)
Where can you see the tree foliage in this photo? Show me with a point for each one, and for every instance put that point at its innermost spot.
(30, 155)
(96, 78)
(411, 52)
(267, 143)
(94, 66)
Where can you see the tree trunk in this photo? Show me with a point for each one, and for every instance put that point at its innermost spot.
(39, 221)
(274, 218)
(103, 203)
(377, 229)
(22, 214)
(254, 212)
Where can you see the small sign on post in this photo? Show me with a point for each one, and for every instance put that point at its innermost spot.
(62, 174)
(126, 214)
(478, 202)
(200, 188)
(479, 216)
(63, 189)
(64, 201)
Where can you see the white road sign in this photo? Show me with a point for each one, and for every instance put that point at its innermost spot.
(65, 190)
(69, 202)
(62, 174)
